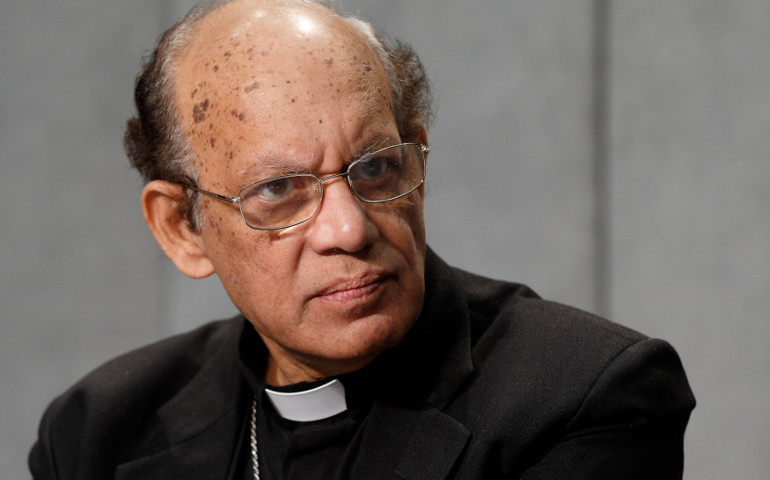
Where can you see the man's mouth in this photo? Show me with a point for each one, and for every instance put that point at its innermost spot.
(352, 289)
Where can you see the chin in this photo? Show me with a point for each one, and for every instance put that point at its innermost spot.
(365, 339)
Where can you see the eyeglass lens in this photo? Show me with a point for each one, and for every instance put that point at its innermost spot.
(290, 199)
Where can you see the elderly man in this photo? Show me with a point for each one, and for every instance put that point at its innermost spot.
(285, 148)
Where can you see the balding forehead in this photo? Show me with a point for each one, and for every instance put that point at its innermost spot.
(269, 19)
(271, 36)
(256, 68)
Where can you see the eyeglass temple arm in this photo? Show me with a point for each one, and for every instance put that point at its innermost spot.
(233, 200)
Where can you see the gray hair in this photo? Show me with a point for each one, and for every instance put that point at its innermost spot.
(154, 139)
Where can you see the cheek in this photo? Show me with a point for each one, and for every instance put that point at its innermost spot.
(233, 247)
(248, 260)
(402, 224)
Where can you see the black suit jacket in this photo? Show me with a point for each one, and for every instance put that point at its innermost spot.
(491, 383)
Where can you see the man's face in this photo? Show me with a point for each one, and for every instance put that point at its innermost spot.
(260, 99)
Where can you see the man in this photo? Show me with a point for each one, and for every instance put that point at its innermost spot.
(284, 148)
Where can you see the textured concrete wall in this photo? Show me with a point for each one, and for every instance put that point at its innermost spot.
(690, 216)
(511, 189)
(78, 282)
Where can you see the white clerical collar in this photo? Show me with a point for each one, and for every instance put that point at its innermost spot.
(310, 405)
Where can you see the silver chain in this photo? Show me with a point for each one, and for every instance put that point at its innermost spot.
(254, 455)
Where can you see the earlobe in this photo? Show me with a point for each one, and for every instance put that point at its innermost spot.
(164, 206)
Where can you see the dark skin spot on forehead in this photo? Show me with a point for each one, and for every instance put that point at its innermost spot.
(251, 87)
(216, 68)
(213, 141)
(199, 111)
(367, 67)
(192, 95)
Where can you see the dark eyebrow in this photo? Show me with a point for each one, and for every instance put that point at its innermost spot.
(378, 144)
(269, 167)
(263, 169)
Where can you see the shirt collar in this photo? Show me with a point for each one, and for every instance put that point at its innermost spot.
(311, 403)
(299, 402)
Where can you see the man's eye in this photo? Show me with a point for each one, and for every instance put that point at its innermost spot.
(373, 168)
(274, 189)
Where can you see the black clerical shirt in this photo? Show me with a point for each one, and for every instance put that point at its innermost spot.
(289, 450)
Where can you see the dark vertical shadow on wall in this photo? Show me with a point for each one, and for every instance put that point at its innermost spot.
(601, 161)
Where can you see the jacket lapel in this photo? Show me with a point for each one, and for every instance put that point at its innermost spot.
(202, 424)
(400, 443)
(205, 456)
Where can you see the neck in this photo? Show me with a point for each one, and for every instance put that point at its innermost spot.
(284, 369)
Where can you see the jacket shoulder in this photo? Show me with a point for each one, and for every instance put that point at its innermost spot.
(498, 306)
(563, 387)
(113, 409)
(168, 363)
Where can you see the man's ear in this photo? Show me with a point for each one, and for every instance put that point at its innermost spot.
(421, 134)
(164, 206)
(422, 137)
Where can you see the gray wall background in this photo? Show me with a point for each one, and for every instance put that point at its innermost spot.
(613, 155)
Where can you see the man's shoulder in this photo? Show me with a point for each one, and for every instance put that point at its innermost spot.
(511, 317)
(544, 359)
(517, 310)
(157, 371)
(112, 414)
(545, 374)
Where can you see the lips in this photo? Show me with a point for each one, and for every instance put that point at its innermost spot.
(352, 289)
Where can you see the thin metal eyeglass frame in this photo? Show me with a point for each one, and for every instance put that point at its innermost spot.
(346, 174)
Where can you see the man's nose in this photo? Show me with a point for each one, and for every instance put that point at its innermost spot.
(341, 223)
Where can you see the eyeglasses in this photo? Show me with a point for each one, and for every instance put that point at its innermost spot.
(287, 200)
